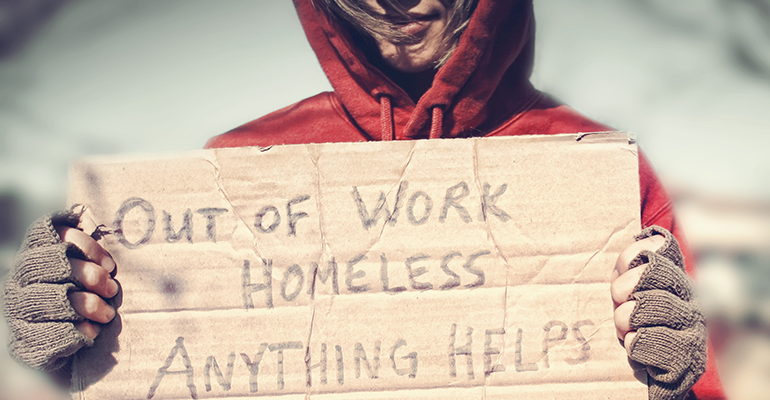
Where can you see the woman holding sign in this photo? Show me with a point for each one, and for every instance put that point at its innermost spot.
(401, 70)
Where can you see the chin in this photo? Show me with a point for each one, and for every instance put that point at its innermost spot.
(411, 64)
(412, 69)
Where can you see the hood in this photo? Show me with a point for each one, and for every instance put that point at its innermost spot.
(483, 84)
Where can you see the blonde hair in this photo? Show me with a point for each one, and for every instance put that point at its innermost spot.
(361, 17)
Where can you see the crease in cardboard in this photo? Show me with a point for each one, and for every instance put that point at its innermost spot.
(314, 158)
(597, 328)
(535, 274)
(408, 162)
(325, 247)
(308, 390)
(130, 355)
(618, 230)
(631, 146)
(214, 162)
(501, 255)
(396, 186)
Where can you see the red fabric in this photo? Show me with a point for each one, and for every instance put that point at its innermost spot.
(483, 90)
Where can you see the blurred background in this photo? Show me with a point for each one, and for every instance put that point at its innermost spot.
(690, 77)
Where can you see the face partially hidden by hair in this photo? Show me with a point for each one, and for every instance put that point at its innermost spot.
(426, 31)
(411, 36)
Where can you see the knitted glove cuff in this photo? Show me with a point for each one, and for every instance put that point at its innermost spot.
(40, 302)
(43, 264)
(45, 345)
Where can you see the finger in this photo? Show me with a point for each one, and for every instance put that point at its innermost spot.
(94, 278)
(628, 341)
(88, 329)
(662, 308)
(668, 353)
(622, 318)
(670, 248)
(662, 274)
(624, 285)
(91, 306)
(651, 243)
(92, 250)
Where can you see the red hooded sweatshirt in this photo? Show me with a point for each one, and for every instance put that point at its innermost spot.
(482, 90)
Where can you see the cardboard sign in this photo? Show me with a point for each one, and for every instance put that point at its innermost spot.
(467, 268)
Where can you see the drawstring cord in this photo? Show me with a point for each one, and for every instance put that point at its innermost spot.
(437, 116)
(386, 119)
(387, 131)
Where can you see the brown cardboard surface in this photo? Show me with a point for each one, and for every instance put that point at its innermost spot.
(467, 268)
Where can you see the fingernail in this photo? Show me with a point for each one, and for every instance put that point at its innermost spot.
(109, 313)
(88, 329)
(108, 263)
(96, 330)
(658, 240)
(112, 288)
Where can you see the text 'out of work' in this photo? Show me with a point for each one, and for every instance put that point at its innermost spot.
(417, 205)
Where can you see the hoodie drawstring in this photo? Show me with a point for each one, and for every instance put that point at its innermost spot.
(386, 119)
(387, 131)
(437, 116)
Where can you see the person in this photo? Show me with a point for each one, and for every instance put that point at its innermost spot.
(400, 70)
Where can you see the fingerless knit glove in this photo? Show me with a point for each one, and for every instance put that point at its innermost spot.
(671, 333)
(40, 317)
